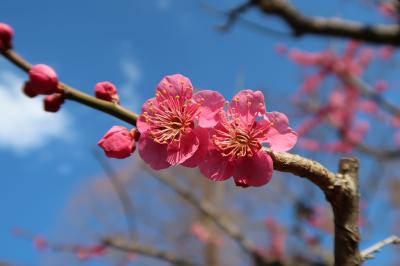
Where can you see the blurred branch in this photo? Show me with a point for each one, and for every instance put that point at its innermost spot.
(78, 96)
(148, 251)
(302, 25)
(206, 209)
(368, 253)
(370, 93)
(121, 192)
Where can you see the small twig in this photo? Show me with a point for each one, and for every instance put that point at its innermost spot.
(368, 253)
(148, 251)
(122, 194)
(78, 96)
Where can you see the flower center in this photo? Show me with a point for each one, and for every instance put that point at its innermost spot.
(171, 119)
(235, 140)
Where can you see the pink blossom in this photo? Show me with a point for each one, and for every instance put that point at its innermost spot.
(118, 142)
(388, 9)
(309, 144)
(204, 234)
(381, 86)
(52, 103)
(40, 242)
(42, 80)
(386, 52)
(278, 238)
(106, 91)
(6, 36)
(236, 142)
(172, 125)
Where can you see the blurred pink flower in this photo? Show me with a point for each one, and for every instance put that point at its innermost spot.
(172, 124)
(6, 36)
(237, 140)
(204, 235)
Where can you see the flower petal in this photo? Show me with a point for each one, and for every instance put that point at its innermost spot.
(280, 136)
(153, 153)
(141, 123)
(212, 103)
(180, 151)
(248, 104)
(216, 167)
(174, 85)
(200, 154)
(254, 171)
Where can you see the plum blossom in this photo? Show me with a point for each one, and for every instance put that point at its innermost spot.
(172, 125)
(6, 35)
(106, 91)
(52, 103)
(119, 142)
(236, 141)
(43, 80)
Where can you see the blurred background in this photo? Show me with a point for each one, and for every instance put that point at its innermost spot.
(55, 193)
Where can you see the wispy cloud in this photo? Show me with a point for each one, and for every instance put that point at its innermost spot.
(128, 89)
(23, 123)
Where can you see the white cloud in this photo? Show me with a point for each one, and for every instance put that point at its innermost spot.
(24, 125)
(128, 89)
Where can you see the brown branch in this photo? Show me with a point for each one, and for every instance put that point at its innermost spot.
(302, 25)
(205, 208)
(123, 245)
(368, 253)
(78, 96)
(122, 194)
(345, 205)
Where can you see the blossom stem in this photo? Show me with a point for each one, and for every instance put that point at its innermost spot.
(78, 96)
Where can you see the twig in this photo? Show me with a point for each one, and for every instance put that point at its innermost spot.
(301, 24)
(78, 96)
(368, 253)
(122, 194)
(148, 251)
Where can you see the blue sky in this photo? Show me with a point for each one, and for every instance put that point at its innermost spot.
(45, 157)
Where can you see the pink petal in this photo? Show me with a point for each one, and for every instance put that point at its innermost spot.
(248, 104)
(153, 153)
(280, 136)
(117, 143)
(174, 85)
(216, 167)
(180, 151)
(200, 154)
(212, 103)
(141, 123)
(254, 171)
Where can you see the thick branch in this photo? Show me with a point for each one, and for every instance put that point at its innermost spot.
(301, 24)
(78, 96)
(345, 206)
(368, 253)
(148, 251)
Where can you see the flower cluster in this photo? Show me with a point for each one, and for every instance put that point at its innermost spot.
(180, 127)
(43, 80)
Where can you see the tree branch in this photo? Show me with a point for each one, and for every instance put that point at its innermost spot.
(368, 253)
(123, 245)
(301, 24)
(78, 96)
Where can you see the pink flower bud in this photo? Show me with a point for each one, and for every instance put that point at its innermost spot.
(40, 242)
(118, 143)
(43, 80)
(106, 91)
(52, 103)
(6, 35)
(29, 90)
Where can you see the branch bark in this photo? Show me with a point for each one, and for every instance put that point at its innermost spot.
(301, 24)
